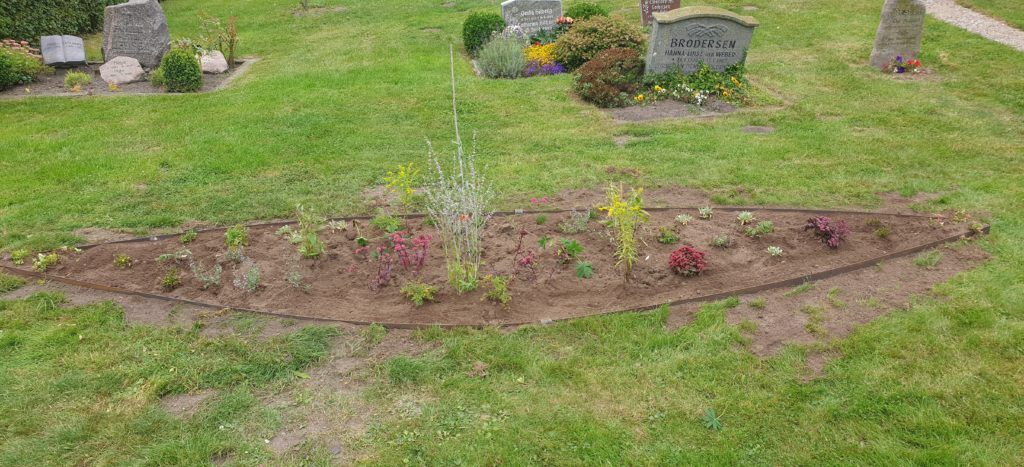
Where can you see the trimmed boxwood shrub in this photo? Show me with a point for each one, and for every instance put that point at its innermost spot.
(477, 30)
(611, 79)
(30, 19)
(588, 37)
(181, 71)
(17, 67)
(585, 10)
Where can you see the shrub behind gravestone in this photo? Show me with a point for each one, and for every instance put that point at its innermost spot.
(611, 78)
(181, 71)
(589, 37)
(30, 19)
(17, 67)
(585, 10)
(477, 30)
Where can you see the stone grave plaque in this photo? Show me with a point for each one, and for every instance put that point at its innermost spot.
(649, 7)
(62, 51)
(899, 32)
(688, 36)
(137, 29)
(531, 15)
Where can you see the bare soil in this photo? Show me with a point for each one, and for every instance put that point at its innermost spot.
(667, 109)
(343, 285)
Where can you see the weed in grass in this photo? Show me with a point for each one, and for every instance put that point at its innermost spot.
(873, 303)
(774, 251)
(207, 277)
(711, 420)
(815, 320)
(189, 236)
(800, 289)
(9, 283)
(576, 223)
(758, 303)
(928, 259)
(833, 298)
(745, 217)
(373, 335)
(404, 370)
(19, 256)
(418, 292)
(170, 280)
(248, 278)
(667, 236)
(584, 269)
(683, 219)
(761, 229)
(748, 326)
(499, 292)
(386, 222)
(731, 302)
(44, 262)
(122, 261)
(541, 219)
(705, 212)
(721, 241)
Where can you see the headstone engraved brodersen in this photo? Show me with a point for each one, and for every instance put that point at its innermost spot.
(899, 32)
(688, 36)
(137, 29)
(62, 51)
(531, 15)
(649, 7)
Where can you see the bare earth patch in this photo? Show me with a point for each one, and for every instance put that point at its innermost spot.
(669, 109)
(184, 405)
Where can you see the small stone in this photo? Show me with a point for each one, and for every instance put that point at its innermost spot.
(214, 62)
(122, 70)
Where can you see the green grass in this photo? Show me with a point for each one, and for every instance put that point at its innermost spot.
(1010, 11)
(928, 259)
(800, 289)
(935, 384)
(10, 283)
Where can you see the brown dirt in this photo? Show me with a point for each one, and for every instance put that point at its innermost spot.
(317, 11)
(53, 85)
(668, 109)
(341, 283)
(184, 405)
(97, 235)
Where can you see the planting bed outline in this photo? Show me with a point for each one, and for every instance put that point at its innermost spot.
(789, 282)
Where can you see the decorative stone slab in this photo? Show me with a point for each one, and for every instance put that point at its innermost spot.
(213, 62)
(136, 29)
(62, 51)
(899, 32)
(122, 70)
(649, 7)
(531, 15)
(688, 36)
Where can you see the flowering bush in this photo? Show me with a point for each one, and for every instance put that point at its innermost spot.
(829, 231)
(401, 182)
(611, 79)
(687, 261)
(542, 54)
(535, 69)
(587, 38)
(626, 214)
(898, 65)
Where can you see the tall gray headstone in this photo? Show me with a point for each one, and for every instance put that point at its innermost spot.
(531, 15)
(688, 36)
(899, 32)
(62, 51)
(649, 7)
(137, 29)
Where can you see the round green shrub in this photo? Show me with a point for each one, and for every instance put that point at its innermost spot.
(585, 10)
(503, 57)
(181, 71)
(588, 37)
(477, 30)
(611, 79)
(17, 67)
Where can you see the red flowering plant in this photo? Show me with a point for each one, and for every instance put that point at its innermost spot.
(899, 66)
(687, 261)
(828, 230)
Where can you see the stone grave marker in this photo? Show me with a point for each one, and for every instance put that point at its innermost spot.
(531, 15)
(62, 51)
(688, 36)
(122, 70)
(649, 7)
(899, 32)
(137, 29)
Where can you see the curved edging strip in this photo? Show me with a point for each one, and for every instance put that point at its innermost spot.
(790, 282)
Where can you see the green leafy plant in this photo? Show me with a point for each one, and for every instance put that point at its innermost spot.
(721, 241)
(122, 261)
(18, 256)
(611, 79)
(294, 279)
(541, 219)
(706, 212)
(18, 67)
(589, 37)
(667, 236)
(249, 278)
(568, 250)
(170, 280)
(711, 420)
(502, 56)
(774, 251)
(584, 269)
(157, 78)
(762, 228)
(386, 222)
(745, 217)
(576, 223)
(74, 80)
(236, 236)
(499, 292)
(189, 236)
(683, 219)
(310, 224)
(181, 70)
(44, 262)
(758, 303)
(478, 28)
(626, 214)
(402, 182)
(207, 277)
(418, 292)
(585, 10)
(883, 232)
(543, 242)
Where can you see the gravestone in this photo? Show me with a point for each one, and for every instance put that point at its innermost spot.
(531, 15)
(688, 36)
(649, 7)
(62, 51)
(213, 62)
(136, 29)
(122, 70)
(899, 32)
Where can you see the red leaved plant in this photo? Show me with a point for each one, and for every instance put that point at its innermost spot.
(829, 231)
(687, 261)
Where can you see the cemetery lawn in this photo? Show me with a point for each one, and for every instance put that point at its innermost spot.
(340, 98)
(1009, 11)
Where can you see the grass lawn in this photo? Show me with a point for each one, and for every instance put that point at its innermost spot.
(340, 98)
(1010, 11)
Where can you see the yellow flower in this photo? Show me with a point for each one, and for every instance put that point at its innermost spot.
(658, 88)
(639, 97)
(725, 93)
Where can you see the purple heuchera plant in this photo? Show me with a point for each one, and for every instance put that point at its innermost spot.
(535, 69)
(829, 231)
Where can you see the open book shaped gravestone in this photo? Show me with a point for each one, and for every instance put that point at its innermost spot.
(62, 51)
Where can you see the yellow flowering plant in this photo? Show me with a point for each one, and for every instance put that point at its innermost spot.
(401, 182)
(542, 54)
(626, 214)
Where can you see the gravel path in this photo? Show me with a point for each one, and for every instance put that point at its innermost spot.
(992, 29)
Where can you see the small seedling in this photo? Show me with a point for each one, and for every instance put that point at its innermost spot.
(207, 277)
(683, 219)
(705, 212)
(721, 241)
(541, 219)
(800, 289)
(294, 279)
(170, 281)
(758, 303)
(418, 292)
(929, 259)
(386, 222)
(18, 257)
(568, 250)
(584, 269)
(310, 224)
(181, 254)
(745, 217)
(236, 237)
(883, 232)
(339, 226)
(43, 263)
(576, 223)
(833, 298)
(762, 228)
(362, 241)
(711, 420)
(543, 242)
(292, 236)
(814, 320)
(667, 236)
(189, 236)
(122, 261)
(499, 290)
(249, 280)
(775, 251)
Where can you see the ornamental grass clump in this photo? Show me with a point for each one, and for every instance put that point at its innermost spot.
(457, 202)
(502, 56)
(625, 215)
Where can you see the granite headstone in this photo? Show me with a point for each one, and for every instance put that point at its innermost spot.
(62, 51)
(899, 32)
(688, 36)
(122, 70)
(649, 7)
(136, 29)
(531, 15)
